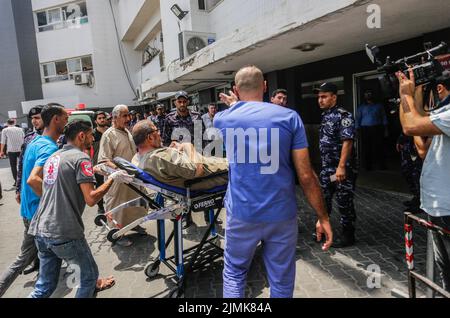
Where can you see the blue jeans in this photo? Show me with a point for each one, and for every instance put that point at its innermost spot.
(77, 255)
(279, 241)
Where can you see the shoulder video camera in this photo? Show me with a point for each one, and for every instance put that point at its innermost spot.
(427, 69)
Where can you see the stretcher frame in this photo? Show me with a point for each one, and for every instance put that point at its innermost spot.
(192, 201)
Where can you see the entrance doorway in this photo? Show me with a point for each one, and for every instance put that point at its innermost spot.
(391, 178)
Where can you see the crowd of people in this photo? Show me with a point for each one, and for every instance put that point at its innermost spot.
(55, 182)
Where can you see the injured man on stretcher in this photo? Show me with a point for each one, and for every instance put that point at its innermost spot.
(176, 164)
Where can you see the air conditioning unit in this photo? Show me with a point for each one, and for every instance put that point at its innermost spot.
(190, 42)
(82, 78)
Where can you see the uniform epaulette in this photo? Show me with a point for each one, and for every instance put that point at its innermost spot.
(342, 110)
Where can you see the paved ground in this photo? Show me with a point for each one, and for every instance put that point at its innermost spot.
(337, 273)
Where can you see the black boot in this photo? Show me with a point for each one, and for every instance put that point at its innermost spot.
(347, 239)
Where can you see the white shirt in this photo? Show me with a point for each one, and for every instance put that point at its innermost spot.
(13, 137)
(435, 180)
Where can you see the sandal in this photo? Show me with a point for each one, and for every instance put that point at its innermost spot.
(104, 283)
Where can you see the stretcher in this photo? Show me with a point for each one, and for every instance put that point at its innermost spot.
(168, 203)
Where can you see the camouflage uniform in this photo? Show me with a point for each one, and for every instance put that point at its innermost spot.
(411, 164)
(174, 121)
(337, 126)
(27, 140)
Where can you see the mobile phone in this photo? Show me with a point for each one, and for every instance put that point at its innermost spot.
(333, 178)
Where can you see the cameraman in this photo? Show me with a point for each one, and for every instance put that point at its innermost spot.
(435, 182)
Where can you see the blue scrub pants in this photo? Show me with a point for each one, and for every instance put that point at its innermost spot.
(279, 241)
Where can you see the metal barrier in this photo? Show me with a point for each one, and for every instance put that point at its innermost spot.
(409, 244)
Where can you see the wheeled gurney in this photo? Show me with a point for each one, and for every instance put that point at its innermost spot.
(168, 203)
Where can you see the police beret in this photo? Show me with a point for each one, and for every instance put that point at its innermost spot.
(36, 110)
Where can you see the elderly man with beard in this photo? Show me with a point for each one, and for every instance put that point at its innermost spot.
(118, 142)
(175, 164)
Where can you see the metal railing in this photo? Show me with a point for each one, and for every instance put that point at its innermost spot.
(413, 275)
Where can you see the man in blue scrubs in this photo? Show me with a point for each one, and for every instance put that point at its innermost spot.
(264, 143)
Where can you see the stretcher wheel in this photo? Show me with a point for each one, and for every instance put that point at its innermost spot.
(110, 236)
(99, 218)
(176, 293)
(152, 270)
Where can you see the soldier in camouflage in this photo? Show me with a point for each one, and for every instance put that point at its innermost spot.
(338, 173)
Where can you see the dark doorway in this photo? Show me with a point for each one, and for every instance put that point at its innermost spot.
(390, 178)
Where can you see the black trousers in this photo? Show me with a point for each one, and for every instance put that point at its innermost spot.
(373, 146)
(441, 246)
(13, 158)
(99, 181)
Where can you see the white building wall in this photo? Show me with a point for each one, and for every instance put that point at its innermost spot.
(171, 30)
(237, 25)
(262, 18)
(98, 39)
(154, 67)
(266, 15)
(45, 4)
(127, 11)
(254, 19)
(112, 86)
(65, 43)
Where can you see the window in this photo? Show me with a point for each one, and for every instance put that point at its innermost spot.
(74, 65)
(64, 70)
(68, 16)
(49, 69)
(54, 16)
(86, 64)
(208, 5)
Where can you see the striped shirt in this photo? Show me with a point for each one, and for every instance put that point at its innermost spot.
(13, 138)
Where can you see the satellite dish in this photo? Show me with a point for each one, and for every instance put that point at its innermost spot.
(195, 44)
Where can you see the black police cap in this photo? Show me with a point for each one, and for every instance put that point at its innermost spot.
(327, 88)
(36, 110)
(181, 94)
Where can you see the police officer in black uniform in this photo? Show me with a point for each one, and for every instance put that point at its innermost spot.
(177, 123)
(338, 173)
